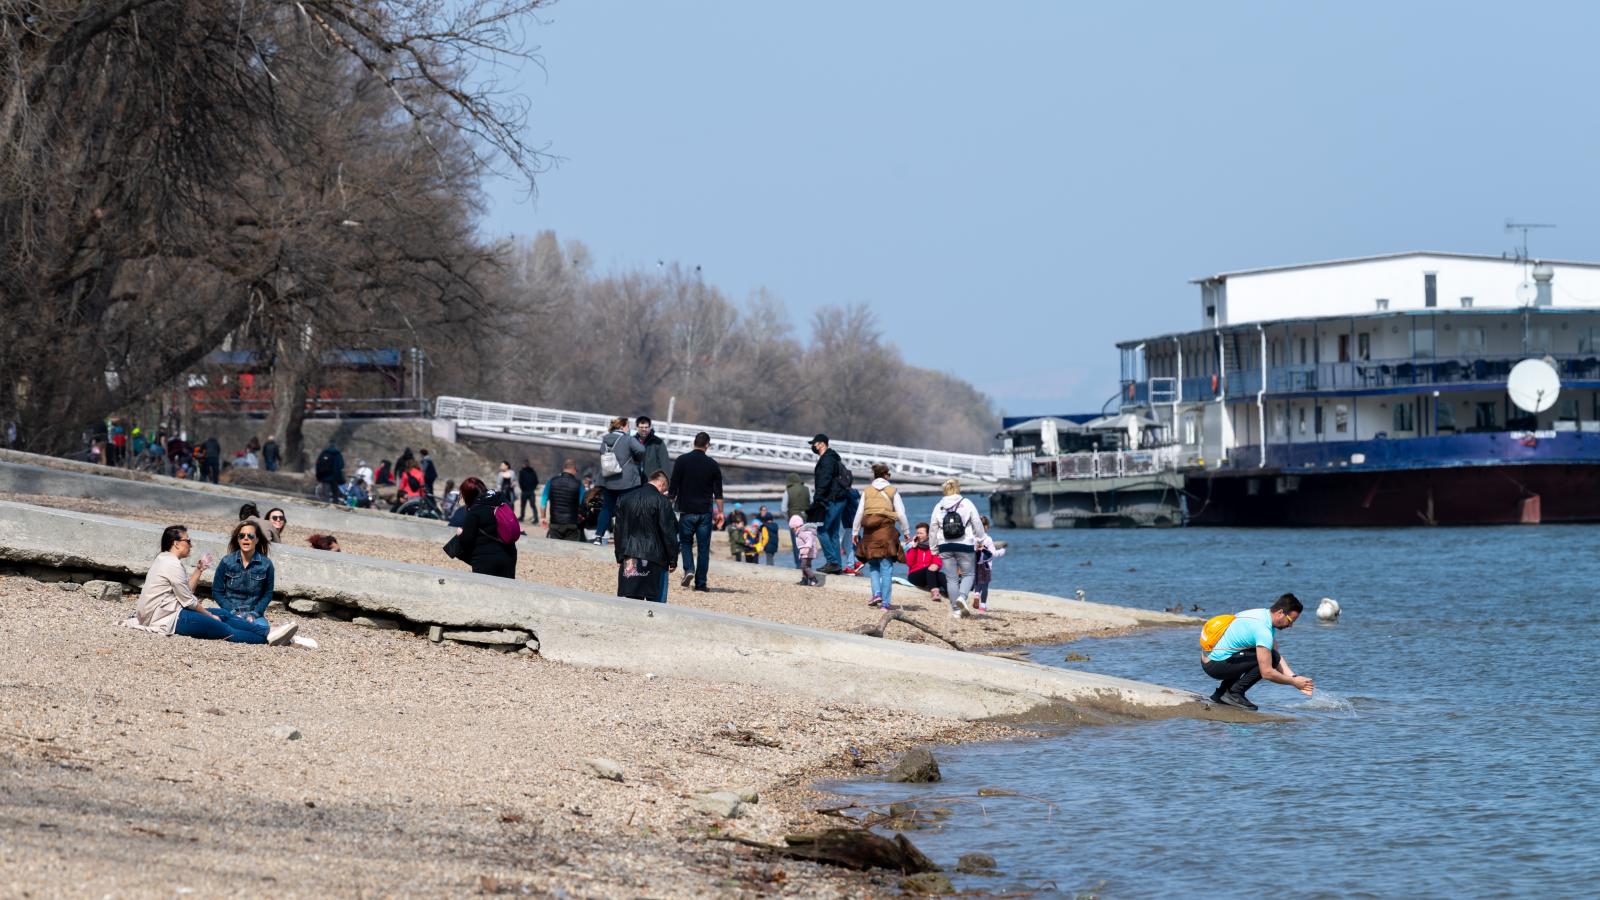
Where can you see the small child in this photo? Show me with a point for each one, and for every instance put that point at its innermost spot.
(806, 542)
(988, 552)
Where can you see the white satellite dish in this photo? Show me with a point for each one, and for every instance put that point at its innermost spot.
(1533, 385)
(1526, 293)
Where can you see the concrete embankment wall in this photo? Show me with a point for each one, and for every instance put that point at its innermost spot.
(20, 473)
(593, 630)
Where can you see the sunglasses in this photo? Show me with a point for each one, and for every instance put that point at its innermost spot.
(276, 519)
(247, 537)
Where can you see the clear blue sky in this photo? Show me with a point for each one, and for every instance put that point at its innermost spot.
(1016, 186)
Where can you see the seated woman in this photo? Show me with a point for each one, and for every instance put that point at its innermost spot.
(924, 564)
(479, 535)
(167, 603)
(244, 579)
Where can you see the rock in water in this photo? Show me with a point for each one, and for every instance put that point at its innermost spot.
(916, 767)
(927, 883)
(1328, 610)
(975, 864)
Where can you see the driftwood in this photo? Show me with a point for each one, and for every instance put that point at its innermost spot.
(897, 616)
(852, 848)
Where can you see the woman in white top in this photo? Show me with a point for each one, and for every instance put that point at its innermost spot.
(955, 528)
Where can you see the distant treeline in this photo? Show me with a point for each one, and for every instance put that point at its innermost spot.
(624, 343)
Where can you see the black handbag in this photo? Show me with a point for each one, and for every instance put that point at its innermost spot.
(452, 547)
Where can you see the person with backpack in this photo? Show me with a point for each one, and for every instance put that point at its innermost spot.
(832, 487)
(957, 528)
(212, 464)
(879, 528)
(1240, 650)
(430, 472)
(847, 547)
(620, 455)
(647, 541)
(329, 472)
(412, 484)
(489, 531)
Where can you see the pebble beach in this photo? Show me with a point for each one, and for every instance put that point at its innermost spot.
(384, 764)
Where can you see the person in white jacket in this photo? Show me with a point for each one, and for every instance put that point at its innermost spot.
(878, 531)
(955, 528)
(988, 552)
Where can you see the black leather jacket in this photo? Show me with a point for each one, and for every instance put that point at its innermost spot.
(646, 527)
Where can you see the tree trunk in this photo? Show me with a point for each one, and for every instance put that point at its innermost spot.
(291, 378)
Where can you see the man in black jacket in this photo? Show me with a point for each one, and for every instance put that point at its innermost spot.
(528, 481)
(832, 488)
(696, 490)
(563, 504)
(646, 541)
(655, 449)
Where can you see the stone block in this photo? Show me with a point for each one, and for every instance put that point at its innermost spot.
(498, 636)
(109, 591)
(69, 586)
(722, 804)
(380, 622)
(436, 633)
(311, 607)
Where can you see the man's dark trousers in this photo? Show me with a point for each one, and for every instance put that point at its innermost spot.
(695, 528)
(831, 526)
(565, 533)
(1238, 673)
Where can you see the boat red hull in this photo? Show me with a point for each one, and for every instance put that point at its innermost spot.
(1455, 495)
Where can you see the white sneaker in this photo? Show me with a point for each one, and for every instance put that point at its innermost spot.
(966, 605)
(305, 642)
(282, 634)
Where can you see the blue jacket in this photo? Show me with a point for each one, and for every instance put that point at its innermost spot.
(244, 592)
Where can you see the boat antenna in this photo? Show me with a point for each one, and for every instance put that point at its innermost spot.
(1524, 227)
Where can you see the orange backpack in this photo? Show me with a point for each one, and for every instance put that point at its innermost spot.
(1211, 632)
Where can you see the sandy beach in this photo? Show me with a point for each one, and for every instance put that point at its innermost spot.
(142, 765)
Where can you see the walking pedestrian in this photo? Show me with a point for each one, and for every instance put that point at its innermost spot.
(806, 548)
(770, 540)
(797, 498)
(329, 471)
(831, 487)
(507, 482)
(646, 541)
(847, 548)
(878, 530)
(430, 474)
(213, 461)
(696, 491)
(478, 543)
(957, 528)
(655, 449)
(269, 454)
(988, 552)
(620, 456)
(528, 481)
(562, 504)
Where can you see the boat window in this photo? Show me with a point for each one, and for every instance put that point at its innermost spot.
(1318, 416)
(1363, 346)
(1302, 420)
(1444, 416)
(1430, 289)
(1539, 340)
(1484, 414)
(1422, 341)
(1471, 340)
(1404, 420)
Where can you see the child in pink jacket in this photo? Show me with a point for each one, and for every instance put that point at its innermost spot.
(805, 540)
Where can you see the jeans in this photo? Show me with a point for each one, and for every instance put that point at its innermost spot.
(231, 628)
(960, 568)
(693, 529)
(832, 524)
(1238, 673)
(881, 573)
(528, 500)
(666, 579)
(847, 550)
(608, 507)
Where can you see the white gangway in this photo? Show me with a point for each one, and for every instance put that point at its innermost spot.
(730, 446)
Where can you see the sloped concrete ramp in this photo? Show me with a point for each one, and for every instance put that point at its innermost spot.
(593, 630)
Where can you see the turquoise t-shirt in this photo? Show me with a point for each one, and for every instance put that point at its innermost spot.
(1248, 630)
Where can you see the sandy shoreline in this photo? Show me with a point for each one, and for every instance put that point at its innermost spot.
(141, 765)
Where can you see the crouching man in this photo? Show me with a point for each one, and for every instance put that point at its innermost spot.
(1245, 653)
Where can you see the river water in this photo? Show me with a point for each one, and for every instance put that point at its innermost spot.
(1452, 748)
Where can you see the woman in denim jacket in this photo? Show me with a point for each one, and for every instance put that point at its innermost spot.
(243, 581)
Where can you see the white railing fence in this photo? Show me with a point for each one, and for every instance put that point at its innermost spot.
(754, 449)
(1109, 463)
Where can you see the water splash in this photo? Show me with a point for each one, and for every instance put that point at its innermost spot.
(1323, 701)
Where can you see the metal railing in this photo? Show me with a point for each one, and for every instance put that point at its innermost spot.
(1110, 463)
(753, 449)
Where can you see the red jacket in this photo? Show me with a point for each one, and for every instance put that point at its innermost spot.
(919, 558)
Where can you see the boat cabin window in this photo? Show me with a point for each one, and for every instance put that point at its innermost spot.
(1344, 348)
(1471, 340)
(1444, 417)
(1317, 415)
(1302, 351)
(1483, 415)
(1422, 341)
(1404, 418)
(1430, 289)
(1539, 340)
(1363, 346)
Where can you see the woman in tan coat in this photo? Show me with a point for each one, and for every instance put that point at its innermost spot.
(879, 530)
